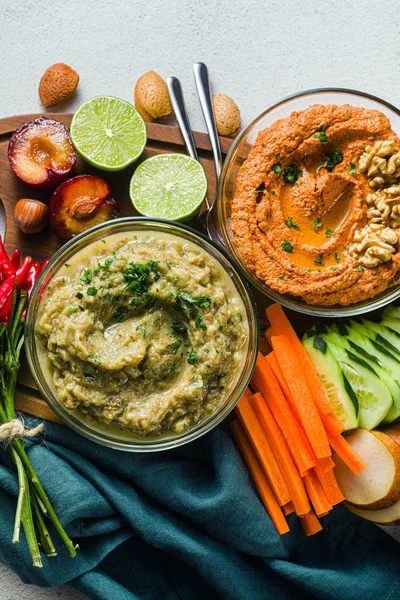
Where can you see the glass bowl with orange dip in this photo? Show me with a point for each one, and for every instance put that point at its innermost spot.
(317, 226)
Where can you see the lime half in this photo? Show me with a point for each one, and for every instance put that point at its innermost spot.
(108, 132)
(169, 186)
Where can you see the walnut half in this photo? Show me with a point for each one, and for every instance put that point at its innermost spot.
(373, 245)
(380, 164)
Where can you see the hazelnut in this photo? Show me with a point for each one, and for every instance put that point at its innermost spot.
(226, 114)
(57, 84)
(152, 98)
(30, 215)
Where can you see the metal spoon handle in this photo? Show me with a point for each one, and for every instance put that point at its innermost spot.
(178, 104)
(204, 93)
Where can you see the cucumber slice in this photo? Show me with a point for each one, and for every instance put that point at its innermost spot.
(391, 311)
(332, 378)
(374, 397)
(391, 323)
(388, 338)
(385, 368)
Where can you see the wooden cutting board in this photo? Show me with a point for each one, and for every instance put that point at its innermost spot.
(161, 139)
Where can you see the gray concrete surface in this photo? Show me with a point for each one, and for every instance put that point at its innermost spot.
(257, 51)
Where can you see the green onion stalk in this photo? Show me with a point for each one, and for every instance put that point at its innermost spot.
(34, 510)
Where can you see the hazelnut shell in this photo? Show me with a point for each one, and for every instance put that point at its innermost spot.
(30, 215)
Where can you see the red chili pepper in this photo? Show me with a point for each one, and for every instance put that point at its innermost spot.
(22, 271)
(44, 263)
(6, 298)
(8, 269)
(16, 258)
(30, 280)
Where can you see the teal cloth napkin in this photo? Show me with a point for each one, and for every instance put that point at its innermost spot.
(186, 524)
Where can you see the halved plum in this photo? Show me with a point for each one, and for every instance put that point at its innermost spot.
(80, 203)
(41, 153)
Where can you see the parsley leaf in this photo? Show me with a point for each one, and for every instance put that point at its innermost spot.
(87, 276)
(319, 260)
(287, 246)
(336, 257)
(317, 224)
(321, 135)
(119, 314)
(290, 223)
(334, 157)
(178, 327)
(353, 169)
(174, 345)
(72, 309)
(360, 268)
(277, 168)
(291, 173)
(192, 357)
(282, 277)
(91, 291)
(329, 233)
(79, 296)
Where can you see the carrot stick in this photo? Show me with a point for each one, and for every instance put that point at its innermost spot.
(273, 363)
(331, 422)
(260, 481)
(283, 457)
(310, 524)
(348, 455)
(297, 382)
(265, 382)
(327, 463)
(262, 449)
(281, 324)
(329, 483)
(316, 493)
(288, 508)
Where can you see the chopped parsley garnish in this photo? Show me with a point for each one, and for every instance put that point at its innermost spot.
(277, 156)
(87, 276)
(336, 257)
(239, 316)
(156, 321)
(291, 173)
(260, 189)
(119, 314)
(319, 260)
(192, 357)
(79, 296)
(329, 233)
(287, 246)
(174, 345)
(353, 169)
(104, 241)
(333, 268)
(277, 168)
(107, 262)
(91, 291)
(136, 275)
(308, 270)
(334, 157)
(72, 309)
(290, 223)
(220, 327)
(321, 135)
(282, 277)
(178, 327)
(360, 268)
(67, 265)
(317, 224)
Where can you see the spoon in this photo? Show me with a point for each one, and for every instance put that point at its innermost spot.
(204, 92)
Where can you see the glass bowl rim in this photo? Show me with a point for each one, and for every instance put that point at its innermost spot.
(158, 444)
(292, 304)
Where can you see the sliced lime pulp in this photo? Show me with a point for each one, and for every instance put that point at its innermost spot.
(108, 133)
(169, 186)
